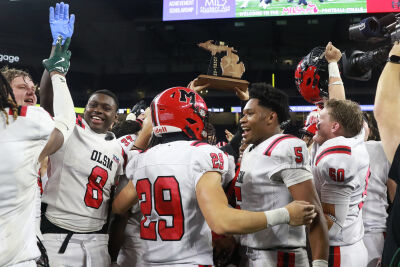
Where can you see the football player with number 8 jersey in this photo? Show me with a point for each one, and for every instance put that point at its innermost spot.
(178, 185)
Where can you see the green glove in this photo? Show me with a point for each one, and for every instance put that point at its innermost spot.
(60, 60)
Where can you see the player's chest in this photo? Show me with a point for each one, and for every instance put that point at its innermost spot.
(82, 153)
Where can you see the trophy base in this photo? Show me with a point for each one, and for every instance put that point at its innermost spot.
(222, 83)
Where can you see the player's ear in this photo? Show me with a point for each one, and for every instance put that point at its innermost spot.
(335, 127)
(271, 116)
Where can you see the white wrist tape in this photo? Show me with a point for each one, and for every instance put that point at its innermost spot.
(333, 70)
(63, 106)
(277, 216)
(319, 263)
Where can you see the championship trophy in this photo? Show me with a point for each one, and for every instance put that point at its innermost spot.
(225, 70)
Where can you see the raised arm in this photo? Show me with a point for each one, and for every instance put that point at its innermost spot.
(387, 104)
(335, 86)
(61, 24)
(64, 120)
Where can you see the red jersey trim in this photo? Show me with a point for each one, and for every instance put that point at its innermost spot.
(274, 143)
(333, 150)
(79, 122)
(21, 111)
(198, 143)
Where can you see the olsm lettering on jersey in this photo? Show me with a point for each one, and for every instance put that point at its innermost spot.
(105, 161)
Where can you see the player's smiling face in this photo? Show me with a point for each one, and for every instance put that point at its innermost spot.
(255, 123)
(325, 127)
(100, 112)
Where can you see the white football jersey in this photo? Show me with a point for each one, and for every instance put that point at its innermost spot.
(375, 205)
(341, 165)
(81, 174)
(173, 228)
(21, 142)
(258, 189)
(127, 141)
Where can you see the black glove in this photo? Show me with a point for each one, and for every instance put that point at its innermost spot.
(139, 108)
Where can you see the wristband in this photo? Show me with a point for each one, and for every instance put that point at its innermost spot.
(319, 263)
(336, 83)
(333, 70)
(277, 216)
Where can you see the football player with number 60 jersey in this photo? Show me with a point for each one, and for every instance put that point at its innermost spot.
(341, 172)
(178, 185)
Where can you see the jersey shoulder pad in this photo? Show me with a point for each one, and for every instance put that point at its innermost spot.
(287, 149)
(209, 158)
(334, 149)
(336, 164)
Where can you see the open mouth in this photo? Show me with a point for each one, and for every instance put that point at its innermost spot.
(28, 101)
(96, 119)
(245, 131)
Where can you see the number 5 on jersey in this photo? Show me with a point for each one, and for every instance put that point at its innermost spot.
(166, 196)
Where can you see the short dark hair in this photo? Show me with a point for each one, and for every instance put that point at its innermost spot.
(126, 127)
(109, 93)
(272, 98)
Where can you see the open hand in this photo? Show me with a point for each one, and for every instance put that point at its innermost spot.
(60, 22)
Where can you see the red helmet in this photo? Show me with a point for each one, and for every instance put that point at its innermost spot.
(311, 76)
(310, 125)
(179, 109)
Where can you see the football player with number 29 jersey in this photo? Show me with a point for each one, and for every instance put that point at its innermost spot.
(178, 185)
(341, 172)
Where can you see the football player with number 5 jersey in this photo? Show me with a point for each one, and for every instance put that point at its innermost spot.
(274, 171)
(178, 185)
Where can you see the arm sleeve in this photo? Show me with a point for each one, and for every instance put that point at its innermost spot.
(64, 112)
(341, 211)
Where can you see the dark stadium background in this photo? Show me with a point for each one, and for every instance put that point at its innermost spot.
(125, 46)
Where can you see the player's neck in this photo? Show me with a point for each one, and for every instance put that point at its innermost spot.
(171, 137)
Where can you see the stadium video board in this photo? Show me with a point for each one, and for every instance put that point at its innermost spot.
(216, 9)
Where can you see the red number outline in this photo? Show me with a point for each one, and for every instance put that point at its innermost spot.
(298, 151)
(156, 192)
(93, 185)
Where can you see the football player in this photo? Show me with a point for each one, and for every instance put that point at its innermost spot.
(376, 204)
(81, 174)
(340, 161)
(275, 170)
(26, 129)
(178, 185)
